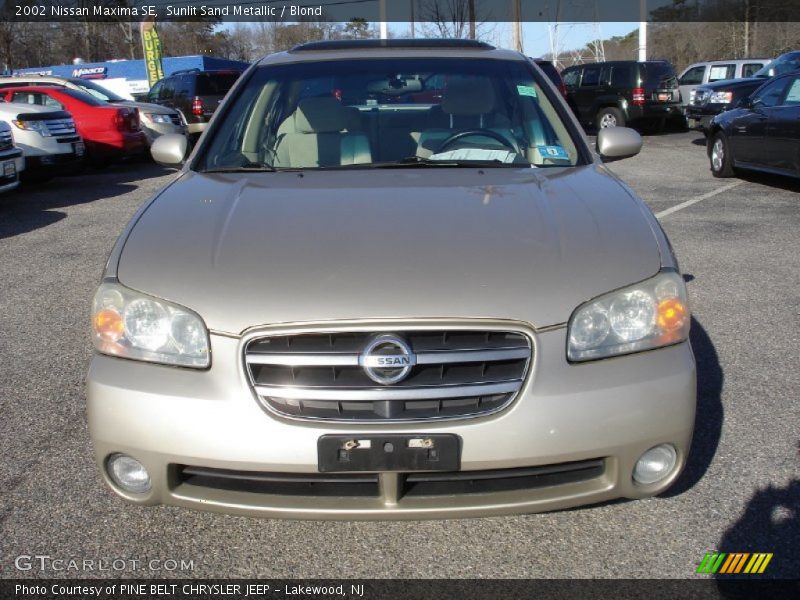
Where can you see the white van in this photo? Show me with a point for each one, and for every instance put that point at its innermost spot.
(716, 70)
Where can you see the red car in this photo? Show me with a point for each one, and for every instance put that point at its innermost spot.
(109, 131)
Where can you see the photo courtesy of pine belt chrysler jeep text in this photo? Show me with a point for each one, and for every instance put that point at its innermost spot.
(393, 281)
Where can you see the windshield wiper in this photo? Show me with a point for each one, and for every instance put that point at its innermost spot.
(418, 161)
(252, 168)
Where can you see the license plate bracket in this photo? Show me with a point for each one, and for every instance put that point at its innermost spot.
(389, 452)
(79, 148)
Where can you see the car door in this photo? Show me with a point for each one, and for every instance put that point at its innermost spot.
(588, 92)
(783, 129)
(748, 132)
(688, 82)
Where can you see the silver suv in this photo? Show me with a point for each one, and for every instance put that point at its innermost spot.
(392, 281)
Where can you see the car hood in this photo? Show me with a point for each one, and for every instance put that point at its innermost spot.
(21, 108)
(147, 107)
(252, 249)
(733, 84)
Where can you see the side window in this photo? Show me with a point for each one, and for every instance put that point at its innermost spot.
(183, 86)
(750, 68)
(571, 77)
(621, 76)
(591, 76)
(771, 94)
(720, 72)
(605, 75)
(25, 98)
(35, 98)
(793, 95)
(153, 94)
(693, 76)
(168, 89)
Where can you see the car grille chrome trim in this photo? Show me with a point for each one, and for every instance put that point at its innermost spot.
(454, 373)
(423, 358)
(700, 97)
(6, 141)
(428, 393)
(58, 127)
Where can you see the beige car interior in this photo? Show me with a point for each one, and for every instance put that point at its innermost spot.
(324, 132)
(321, 132)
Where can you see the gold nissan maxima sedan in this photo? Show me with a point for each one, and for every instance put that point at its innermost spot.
(392, 281)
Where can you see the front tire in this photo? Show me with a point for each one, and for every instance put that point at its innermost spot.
(609, 117)
(720, 156)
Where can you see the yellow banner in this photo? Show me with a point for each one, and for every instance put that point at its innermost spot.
(152, 51)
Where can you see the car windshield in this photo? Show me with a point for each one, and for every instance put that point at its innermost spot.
(378, 113)
(779, 66)
(97, 91)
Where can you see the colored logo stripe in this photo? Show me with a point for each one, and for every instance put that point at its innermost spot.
(734, 563)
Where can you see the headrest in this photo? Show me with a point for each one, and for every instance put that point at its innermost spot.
(320, 115)
(468, 96)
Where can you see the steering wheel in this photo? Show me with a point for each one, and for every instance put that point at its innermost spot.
(488, 133)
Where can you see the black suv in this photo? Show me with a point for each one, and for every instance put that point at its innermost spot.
(623, 92)
(194, 93)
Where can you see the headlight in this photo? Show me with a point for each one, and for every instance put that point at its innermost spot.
(133, 325)
(643, 316)
(153, 118)
(721, 97)
(39, 126)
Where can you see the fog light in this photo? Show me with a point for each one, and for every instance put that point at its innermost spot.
(655, 464)
(128, 473)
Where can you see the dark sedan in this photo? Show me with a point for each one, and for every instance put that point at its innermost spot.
(762, 133)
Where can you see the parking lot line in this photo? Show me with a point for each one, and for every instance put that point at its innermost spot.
(682, 205)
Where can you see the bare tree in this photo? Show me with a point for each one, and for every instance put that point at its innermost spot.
(454, 19)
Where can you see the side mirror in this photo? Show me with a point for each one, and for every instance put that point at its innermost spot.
(745, 103)
(169, 150)
(615, 143)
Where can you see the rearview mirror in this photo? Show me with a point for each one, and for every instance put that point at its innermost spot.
(169, 150)
(615, 143)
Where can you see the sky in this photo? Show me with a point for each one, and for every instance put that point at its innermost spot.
(536, 36)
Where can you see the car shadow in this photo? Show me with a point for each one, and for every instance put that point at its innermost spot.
(783, 182)
(700, 141)
(708, 422)
(770, 524)
(33, 205)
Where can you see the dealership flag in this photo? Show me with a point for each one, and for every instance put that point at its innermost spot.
(152, 51)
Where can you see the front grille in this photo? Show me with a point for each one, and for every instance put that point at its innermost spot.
(6, 141)
(700, 97)
(59, 127)
(320, 376)
(411, 485)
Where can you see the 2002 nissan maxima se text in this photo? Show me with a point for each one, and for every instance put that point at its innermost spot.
(392, 281)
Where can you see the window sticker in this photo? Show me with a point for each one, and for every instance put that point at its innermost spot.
(526, 90)
(553, 152)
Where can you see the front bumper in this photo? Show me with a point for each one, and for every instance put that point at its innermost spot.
(613, 410)
(699, 118)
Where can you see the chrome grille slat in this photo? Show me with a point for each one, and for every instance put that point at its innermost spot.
(423, 358)
(456, 374)
(378, 394)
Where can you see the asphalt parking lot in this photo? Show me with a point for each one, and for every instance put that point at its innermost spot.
(737, 242)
